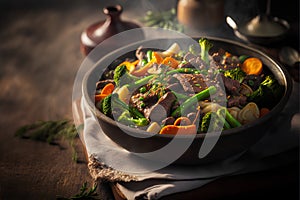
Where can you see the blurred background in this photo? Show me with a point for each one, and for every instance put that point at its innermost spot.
(40, 55)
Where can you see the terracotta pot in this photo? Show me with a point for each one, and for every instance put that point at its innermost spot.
(99, 31)
(200, 14)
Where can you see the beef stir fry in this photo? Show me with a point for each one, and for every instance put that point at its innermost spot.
(176, 92)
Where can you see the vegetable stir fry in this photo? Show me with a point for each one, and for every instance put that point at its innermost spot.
(176, 92)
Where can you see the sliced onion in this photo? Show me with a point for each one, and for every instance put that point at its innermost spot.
(173, 49)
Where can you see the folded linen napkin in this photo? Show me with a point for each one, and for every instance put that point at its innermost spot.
(107, 159)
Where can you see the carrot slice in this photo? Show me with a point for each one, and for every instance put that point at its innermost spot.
(227, 54)
(182, 120)
(107, 89)
(171, 62)
(184, 130)
(157, 57)
(252, 66)
(99, 97)
(263, 112)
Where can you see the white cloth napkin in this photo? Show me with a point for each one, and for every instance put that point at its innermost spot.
(283, 136)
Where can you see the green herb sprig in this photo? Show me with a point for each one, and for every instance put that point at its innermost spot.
(84, 194)
(50, 132)
(164, 19)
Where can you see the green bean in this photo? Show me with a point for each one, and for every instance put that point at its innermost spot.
(180, 96)
(146, 79)
(231, 120)
(149, 55)
(221, 112)
(144, 62)
(190, 101)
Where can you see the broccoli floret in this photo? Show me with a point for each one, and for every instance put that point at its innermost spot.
(105, 106)
(122, 76)
(219, 120)
(112, 101)
(205, 46)
(235, 74)
(125, 118)
(268, 93)
(207, 122)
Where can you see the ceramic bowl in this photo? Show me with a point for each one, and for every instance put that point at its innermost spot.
(230, 143)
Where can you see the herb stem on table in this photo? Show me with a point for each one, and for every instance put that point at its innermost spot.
(50, 132)
(84, 194)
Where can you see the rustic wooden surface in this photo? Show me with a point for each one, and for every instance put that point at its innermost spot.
(39, 58)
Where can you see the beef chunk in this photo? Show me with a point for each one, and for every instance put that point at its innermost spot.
(193, 62)
(237, 101)
(174, 87)
(253, 81)
(225, 62)
(143, 101)
(187, 65)
(231, 86)
(162, 108)
(186, 86)
(191, 83)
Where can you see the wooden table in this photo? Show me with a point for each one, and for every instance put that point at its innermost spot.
(40, 56)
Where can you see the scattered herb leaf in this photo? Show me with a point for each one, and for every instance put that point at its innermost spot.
(84, 194)
(50, 132)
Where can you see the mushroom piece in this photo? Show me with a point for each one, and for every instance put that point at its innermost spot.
(234, 111)
(208, 106)
(245, 89)
(249, 113)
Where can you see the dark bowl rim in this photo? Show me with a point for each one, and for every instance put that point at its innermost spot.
(277, 109)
